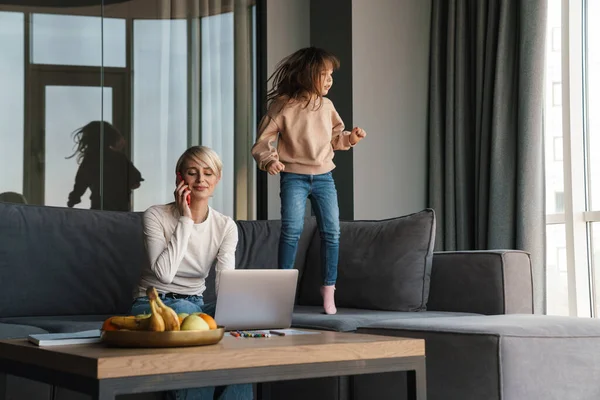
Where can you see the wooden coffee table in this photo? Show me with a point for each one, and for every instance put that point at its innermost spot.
(105, 372)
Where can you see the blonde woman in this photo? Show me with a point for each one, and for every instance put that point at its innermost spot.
(183, 240)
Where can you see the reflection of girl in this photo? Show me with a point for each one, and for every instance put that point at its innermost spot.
(119, 176)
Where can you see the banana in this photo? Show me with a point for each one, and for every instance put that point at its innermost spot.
(169, 316)
(131, 323)
(167, 313)
(157, 323)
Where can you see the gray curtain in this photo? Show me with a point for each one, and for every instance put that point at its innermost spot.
(486, 160)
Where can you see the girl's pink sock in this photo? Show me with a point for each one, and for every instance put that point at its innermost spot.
(327, 292)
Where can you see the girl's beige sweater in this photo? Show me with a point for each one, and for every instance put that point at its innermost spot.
(308, 135)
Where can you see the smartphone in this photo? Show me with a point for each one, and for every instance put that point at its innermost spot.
(179, 179)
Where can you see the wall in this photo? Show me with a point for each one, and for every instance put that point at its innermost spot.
(288, 29)
(390, 84)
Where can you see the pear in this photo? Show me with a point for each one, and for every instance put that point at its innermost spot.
(194, 323)
(182, 315)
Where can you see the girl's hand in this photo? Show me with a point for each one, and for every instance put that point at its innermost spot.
(357, 135)
(181, 193)
(275, 167)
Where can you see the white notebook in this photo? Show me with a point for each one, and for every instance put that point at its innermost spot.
(59, 339)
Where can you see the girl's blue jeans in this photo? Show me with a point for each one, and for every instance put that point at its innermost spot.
(189, 305)
(320, 189)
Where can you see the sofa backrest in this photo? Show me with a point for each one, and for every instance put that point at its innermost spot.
(61, 261)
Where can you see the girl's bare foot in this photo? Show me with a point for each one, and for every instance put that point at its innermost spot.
(327, 292)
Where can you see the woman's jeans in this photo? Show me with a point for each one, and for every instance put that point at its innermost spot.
(320, 189)
(189, 305)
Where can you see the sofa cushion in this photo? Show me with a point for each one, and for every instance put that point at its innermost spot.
(348, 319)
(61, 324)
(518, 325)
(383, 265)
(481, 281)
(62, 261)
(14, 331)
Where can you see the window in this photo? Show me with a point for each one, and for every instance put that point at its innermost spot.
(558, 149)
(559, 201)
(572, 133)
(555, 38)
(78, 40)
(218, 97)
(556, 94)
(159, 106)
(12, 110)
(167, 76)
(556, 274)
(593, 101)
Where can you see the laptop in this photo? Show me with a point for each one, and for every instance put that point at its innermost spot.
(256, 298)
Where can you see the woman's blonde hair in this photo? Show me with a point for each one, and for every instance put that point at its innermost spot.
(201, 154)
(299, 74)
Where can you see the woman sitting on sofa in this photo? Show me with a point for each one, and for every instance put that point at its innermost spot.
(183, 240)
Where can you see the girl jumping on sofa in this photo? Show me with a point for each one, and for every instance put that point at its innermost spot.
(308, 130)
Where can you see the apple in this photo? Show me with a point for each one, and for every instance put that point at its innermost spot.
(194, 323)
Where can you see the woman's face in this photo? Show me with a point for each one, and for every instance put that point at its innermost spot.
(201, 179)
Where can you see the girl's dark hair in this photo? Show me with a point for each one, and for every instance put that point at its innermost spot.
(87, 139)
(298, 75)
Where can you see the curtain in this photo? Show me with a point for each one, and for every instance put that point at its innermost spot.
(486, 165)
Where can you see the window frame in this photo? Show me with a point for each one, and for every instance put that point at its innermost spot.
(577, 216)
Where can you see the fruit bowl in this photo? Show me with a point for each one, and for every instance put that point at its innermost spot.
(126, 338)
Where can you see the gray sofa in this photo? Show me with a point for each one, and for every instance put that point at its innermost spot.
(65, 270)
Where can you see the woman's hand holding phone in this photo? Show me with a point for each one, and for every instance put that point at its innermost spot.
(177, 181)
(182, 197)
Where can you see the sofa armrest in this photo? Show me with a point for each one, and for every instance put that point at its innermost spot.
(484, 282)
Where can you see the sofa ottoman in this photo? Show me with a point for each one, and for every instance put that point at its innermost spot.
(507, 357)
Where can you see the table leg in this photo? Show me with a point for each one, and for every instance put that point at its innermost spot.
(105, 392)
(3, 385)
(263, 391)
(345, 387)
(417, 382)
